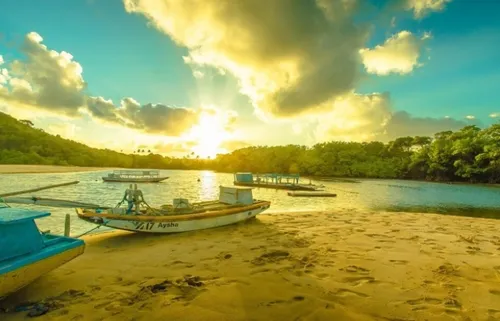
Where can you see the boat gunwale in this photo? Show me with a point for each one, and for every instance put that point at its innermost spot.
(49, 250)
(82, 213)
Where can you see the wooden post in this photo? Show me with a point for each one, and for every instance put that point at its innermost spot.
(67, 225)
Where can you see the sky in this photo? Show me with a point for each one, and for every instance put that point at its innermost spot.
(210, 76)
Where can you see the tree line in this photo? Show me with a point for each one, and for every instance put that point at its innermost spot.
(471, 155)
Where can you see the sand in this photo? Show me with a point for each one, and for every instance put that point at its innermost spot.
(24, 169)
(294, 266)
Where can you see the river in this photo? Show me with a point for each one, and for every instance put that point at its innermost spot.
(366, 194)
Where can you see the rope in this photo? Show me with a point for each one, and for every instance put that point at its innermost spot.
(95, 228)
(3, 203)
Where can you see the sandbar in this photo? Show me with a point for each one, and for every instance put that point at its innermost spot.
(25, 169)
(342, 265)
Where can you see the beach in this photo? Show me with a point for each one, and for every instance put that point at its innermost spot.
(25, 169)
(355, 265)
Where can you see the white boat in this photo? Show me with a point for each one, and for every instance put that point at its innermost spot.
(235, 204)
(150, 176)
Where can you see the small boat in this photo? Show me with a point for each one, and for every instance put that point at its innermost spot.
(150, 176)
(275, 181)
(235, 204)
(26, 253)
(311, 194)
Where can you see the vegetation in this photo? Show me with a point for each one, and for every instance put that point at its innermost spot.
(469, 155)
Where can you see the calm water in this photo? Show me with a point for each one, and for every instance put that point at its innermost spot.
(393, 195)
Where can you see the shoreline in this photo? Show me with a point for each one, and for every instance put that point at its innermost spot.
(45, 169)
(344, 265)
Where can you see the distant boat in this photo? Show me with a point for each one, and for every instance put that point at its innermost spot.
(127, 176)
(275, 181)
(235, 204)
(25, 253)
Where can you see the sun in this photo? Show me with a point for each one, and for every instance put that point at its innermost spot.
(209, 134)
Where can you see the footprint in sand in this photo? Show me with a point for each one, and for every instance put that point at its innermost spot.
(355, 269)
(494, 291)
(473, 249)
(271, 257)
(377, 235)
(358, 280)
(224, 256)
(420, 301)
(452, 302)
(297, 298)
(494, 314)
(402, 262)
(347, 292)
(322, 276)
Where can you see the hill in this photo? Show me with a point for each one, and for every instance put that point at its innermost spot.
(21, 143)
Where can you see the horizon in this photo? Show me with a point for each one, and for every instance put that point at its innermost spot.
(178, 80)
(144, 151)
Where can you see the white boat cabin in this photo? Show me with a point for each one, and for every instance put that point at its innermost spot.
(134, 174)
(235, 195)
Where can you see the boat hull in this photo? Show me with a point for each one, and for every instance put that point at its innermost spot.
(20, 277)
(134, 180)
(311, 194)
(176, 223)
(289, 187)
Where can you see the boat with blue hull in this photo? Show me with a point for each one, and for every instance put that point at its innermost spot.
(26, 253)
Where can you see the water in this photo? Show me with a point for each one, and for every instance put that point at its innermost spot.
(392, 195)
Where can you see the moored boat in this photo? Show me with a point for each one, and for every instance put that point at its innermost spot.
(126, 176)
(26, 253)
(235, 204)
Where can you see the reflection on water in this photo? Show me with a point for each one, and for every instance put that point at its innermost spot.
(393, 195)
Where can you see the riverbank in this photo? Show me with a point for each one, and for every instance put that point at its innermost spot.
(310, 266)
(32, 169)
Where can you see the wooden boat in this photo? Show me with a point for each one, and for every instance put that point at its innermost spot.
(25, 253)
(151, 176)
(235, 204)
(311, 194)
(275, 181)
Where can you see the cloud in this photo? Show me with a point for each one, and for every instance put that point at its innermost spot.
(495, 115)
(398, 54)
(355, 117)
(150, 118)
(46, 79)
(421, 8)
(174, 147)
(198, 74)
(288, 57)
(52, 81)
(470, 117)
(370, 117)
(403, 124)
(232, 145)
(66, 130)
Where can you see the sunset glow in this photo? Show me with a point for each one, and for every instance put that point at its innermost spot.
(208, 135)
